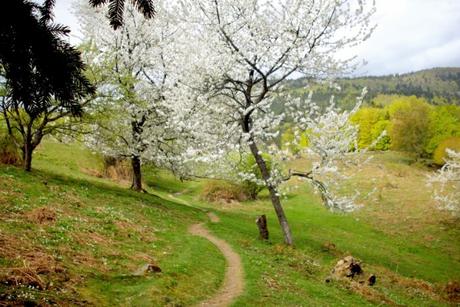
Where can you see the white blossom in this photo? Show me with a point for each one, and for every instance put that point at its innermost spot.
(446, 183)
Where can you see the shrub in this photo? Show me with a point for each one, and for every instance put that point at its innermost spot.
(9, 152)
(117, 169)
(440, 152)
(225, 191)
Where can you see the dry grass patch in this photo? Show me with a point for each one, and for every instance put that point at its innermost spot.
(30, 266)
(128, 229)
(370, 293)
(222, 191)
(452, 291)
(92, 172)
(91, 237)
(36, 270)
(43, 215)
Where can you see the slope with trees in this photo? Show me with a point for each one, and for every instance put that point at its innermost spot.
(437, 85)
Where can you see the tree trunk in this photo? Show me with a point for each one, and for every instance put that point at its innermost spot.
(262, 225)
(273, 194)
(27, 157)
(27, 150)
(137, 174)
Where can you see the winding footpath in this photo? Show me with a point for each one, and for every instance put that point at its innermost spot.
(234, 282)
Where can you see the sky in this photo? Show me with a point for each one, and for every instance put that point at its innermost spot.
(411, 35)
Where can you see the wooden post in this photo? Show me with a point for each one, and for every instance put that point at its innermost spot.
(261, 222)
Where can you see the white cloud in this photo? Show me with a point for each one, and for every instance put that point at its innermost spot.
(410, 35)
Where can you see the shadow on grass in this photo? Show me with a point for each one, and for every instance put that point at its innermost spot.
(96, 185)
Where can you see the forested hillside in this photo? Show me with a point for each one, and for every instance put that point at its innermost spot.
(437, 85)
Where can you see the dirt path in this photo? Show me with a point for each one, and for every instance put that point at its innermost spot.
(233, 282)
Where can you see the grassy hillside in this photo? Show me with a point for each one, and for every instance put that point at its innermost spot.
(411, 246)
(69, 238)
(437, 85)
(82, 238)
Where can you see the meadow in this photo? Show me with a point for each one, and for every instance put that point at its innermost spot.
(69, 236)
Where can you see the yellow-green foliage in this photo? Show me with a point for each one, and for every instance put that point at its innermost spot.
(288, 141)
(444, 123)
(413, 125)
(382, 100)
(371, 122)
(440, 154)
(409, 124)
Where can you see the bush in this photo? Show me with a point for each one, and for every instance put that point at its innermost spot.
(216, 191)
(9, 152)
(117, 169)
(440, 153)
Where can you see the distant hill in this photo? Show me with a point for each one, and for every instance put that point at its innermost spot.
(437, 85)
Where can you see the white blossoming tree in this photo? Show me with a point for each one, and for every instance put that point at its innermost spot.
(332, 147)
(133, 117)
(446, 183)
(241, 52)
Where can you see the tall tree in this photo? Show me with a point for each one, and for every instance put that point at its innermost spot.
(409, 128)
(133, 117)
(248, 48)
(44, 75)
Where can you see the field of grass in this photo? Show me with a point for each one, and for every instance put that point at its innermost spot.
(98, 233)
(69, 238)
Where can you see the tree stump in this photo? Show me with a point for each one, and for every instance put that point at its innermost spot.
(261, 222)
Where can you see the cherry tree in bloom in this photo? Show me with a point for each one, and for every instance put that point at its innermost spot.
(446, 183)
(332, 147)
(240, 52)
(134, 116)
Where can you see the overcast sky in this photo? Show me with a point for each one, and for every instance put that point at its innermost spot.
(410, 35)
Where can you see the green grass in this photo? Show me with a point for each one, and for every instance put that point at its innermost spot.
(412, 248)
(103, 232)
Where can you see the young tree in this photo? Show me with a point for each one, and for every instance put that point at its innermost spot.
(133, 116)
(333, 146)
(44, 77)
(446, 183)
(248, 48)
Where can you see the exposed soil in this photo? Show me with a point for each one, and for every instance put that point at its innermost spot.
(234, 282)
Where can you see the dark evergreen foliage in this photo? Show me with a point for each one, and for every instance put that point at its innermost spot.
(116, 9)
(437, 85)
(42, 75)
(39, 66)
